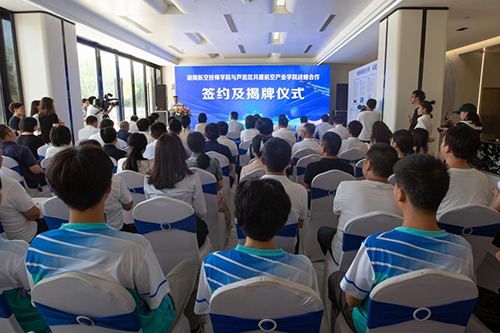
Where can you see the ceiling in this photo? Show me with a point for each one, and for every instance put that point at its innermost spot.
(173, 25)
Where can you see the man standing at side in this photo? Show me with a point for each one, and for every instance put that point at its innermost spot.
(367, 118)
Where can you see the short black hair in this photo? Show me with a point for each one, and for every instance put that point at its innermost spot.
(277, 154)
(338, 120)
(202, 118)
(250, 122)
(383, 158)
(28, 124)
(108, 134)
(303, 119)
(107, 123)
(419, 94)
(463, 141)
(262, 208)
(325, 118)
(371, 103)
(175, 96)
(69, 167)
(257, 143)
(134, 118)
(157, 129)
(175, 126)
(283, 122)
(234, 115)
(223, 127)
(60, 136)
(14, 105)
(355, 127)
(92, 99)
(143, 124)
(151, 120)
(92, 142)
(155, 115)
(331, 141)
(185, 121)
(264, 126)
(212, 131)
(84, 100)
(405, 140)
(90, 120)
(309, 128)
(424, 179)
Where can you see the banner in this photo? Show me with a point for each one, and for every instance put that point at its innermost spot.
(266, 90)
(362, 87)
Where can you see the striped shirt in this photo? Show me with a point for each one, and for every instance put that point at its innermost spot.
(400, 251)
(97, 249)
(222, 268)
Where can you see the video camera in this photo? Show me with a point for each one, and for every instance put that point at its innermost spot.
(362, 107)
(106, 102)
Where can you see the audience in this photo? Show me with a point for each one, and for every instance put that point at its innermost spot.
(262, 210)
(380, 133)
(256, 147)
(19, 215)
(155, 116)
(250, 132)
(120, 144)
(323, 127)
(223, 140)
(199, 159)
(368, 118)
(175, 127)
(329, 148)
(425, 118)
(185, 122)
(18, 112)
(212, 133)
(352, 142)
(135, 161)
(47, 118)
(133, 124)
(151, 119)
(284, 132)
(234, 124)
(355, 197)
(421, 184)
(467, 185)
(338, 127)
(172, 178)
(32, 172)
(264, 126)
(277, 126)
(28, 138)
(117, 257)
(421, 139)
(202, 122)
(124, 131)
(88, 130)
(298, 129)
(60, 137)
(157, 130)
(108, 136)
(417, 97)
(308, 141)
(144, 126)
(403, 141)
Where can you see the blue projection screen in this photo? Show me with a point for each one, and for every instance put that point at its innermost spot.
(266, 90)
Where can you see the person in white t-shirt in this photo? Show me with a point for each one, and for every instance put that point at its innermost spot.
(133, 124)
(60, 137)
(251, 131)
(120, 144)
(425, 118)
(354, 197)
(157, 130)
(352, 142)
(284, 133)
(467, 185)
(223, 140)
(88, 130)
(367, 118)
(277, 126)
(298, 129)
(234, 124)
(144, 125)
(307, 133)
(119, 199)
(339, 128)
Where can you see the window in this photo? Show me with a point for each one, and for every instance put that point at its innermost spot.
(10, 55)
(88, 70)
(150, 89)
(108, 68)
(140, 94)
(126, 87)
(158, 76)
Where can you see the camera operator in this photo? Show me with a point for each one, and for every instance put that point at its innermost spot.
(95, 109)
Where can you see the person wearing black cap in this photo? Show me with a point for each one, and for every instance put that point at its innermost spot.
(468, 116)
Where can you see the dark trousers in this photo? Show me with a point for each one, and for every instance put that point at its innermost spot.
(487, 309)
(41, 226)
(325, 238)
(339, 302)
(129, 228)
(201, 231)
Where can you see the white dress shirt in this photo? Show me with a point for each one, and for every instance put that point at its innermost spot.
(133, 127)
(341, 131)
(223, 140)
(425, 122)
(286, 134)
(306, 143)
(86, 132)
(234, 125)
(248, 134)
(296, 192)
(120, 144)
(353, 143)
(322, 128)
(149, 153)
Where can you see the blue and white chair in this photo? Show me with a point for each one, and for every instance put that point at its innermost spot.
(323, 189)
(45, 163)
(216, 222)
(170, 226)
(352, 156)
(355, 232)
(233, 135)
(243, 152)
(12, 164)
(2, 231)
(302, 166)
(295, 159)
(135, 184)
(55, 212)
(9, 173)
(476, 223)
(8, 322)
(358, 170)
(224, 165)
(115, 164)
(255, 174)
(426, 300)
(42, 151)
(265, 304)
(392, 180)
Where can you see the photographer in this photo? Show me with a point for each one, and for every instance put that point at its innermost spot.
(98, 108)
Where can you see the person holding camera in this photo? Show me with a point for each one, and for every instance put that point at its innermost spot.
(367, 118)
(95, 110)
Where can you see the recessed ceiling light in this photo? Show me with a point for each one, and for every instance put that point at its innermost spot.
(280, 2)
(276, 35)
(462, 29)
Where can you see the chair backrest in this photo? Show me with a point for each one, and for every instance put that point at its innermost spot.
(392, 180)
(426, 300)
(255, 174)
(135, 184)
(63, 295)
(41, 151)
(477, 224)
(358, 170)
(298, 155)
(2, 231)
(55, 212)
(115, 164)
(242, 152)
(172, 235)
(12, 164)
(233, 135)
(300, 168)
(287, 307)
(216, 225)
(9, 173)
(358, 228)
(8, 322)
(352, 156)
(45, 163)
(224, 164)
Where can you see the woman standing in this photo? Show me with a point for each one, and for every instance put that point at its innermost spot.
(425, 118)
(47, 118)
(34, 110)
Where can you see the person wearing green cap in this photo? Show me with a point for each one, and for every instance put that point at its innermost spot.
(468, 116)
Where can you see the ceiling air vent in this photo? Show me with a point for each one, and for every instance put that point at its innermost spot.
(308, 48)
(242, 49)
(230, 22)
(175, 49)
(327, 22)
(135, 24)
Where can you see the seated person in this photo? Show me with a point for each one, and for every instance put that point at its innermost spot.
(250, 132)
(403, 142)
(27, 138)
(135, 160)
(417, 244)
(223, 140)
(123, 132)
(234, 124)
(60, 138)
(262, 209)
(256, 147)
(323, 127)
(175, 127)
(265, 126)
(108, 136)
(353, 129)
(284, 132)
(298, 129)
(277, 126)
(373, 193)
(172, 178)
(32, 172)
(338, 127)
(202, 122)
(467, 185)
(199, 159)
(212, 133)
(308, 140)
(90, 129)
(120, 144)
(119, 257)
(185, 122)
(329, 147)
(157, 130)
(380, 133)
(133, 124)
(276, 156)
(144, 125)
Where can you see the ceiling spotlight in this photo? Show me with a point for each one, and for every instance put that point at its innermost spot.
(280, 2)
(276, 35)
